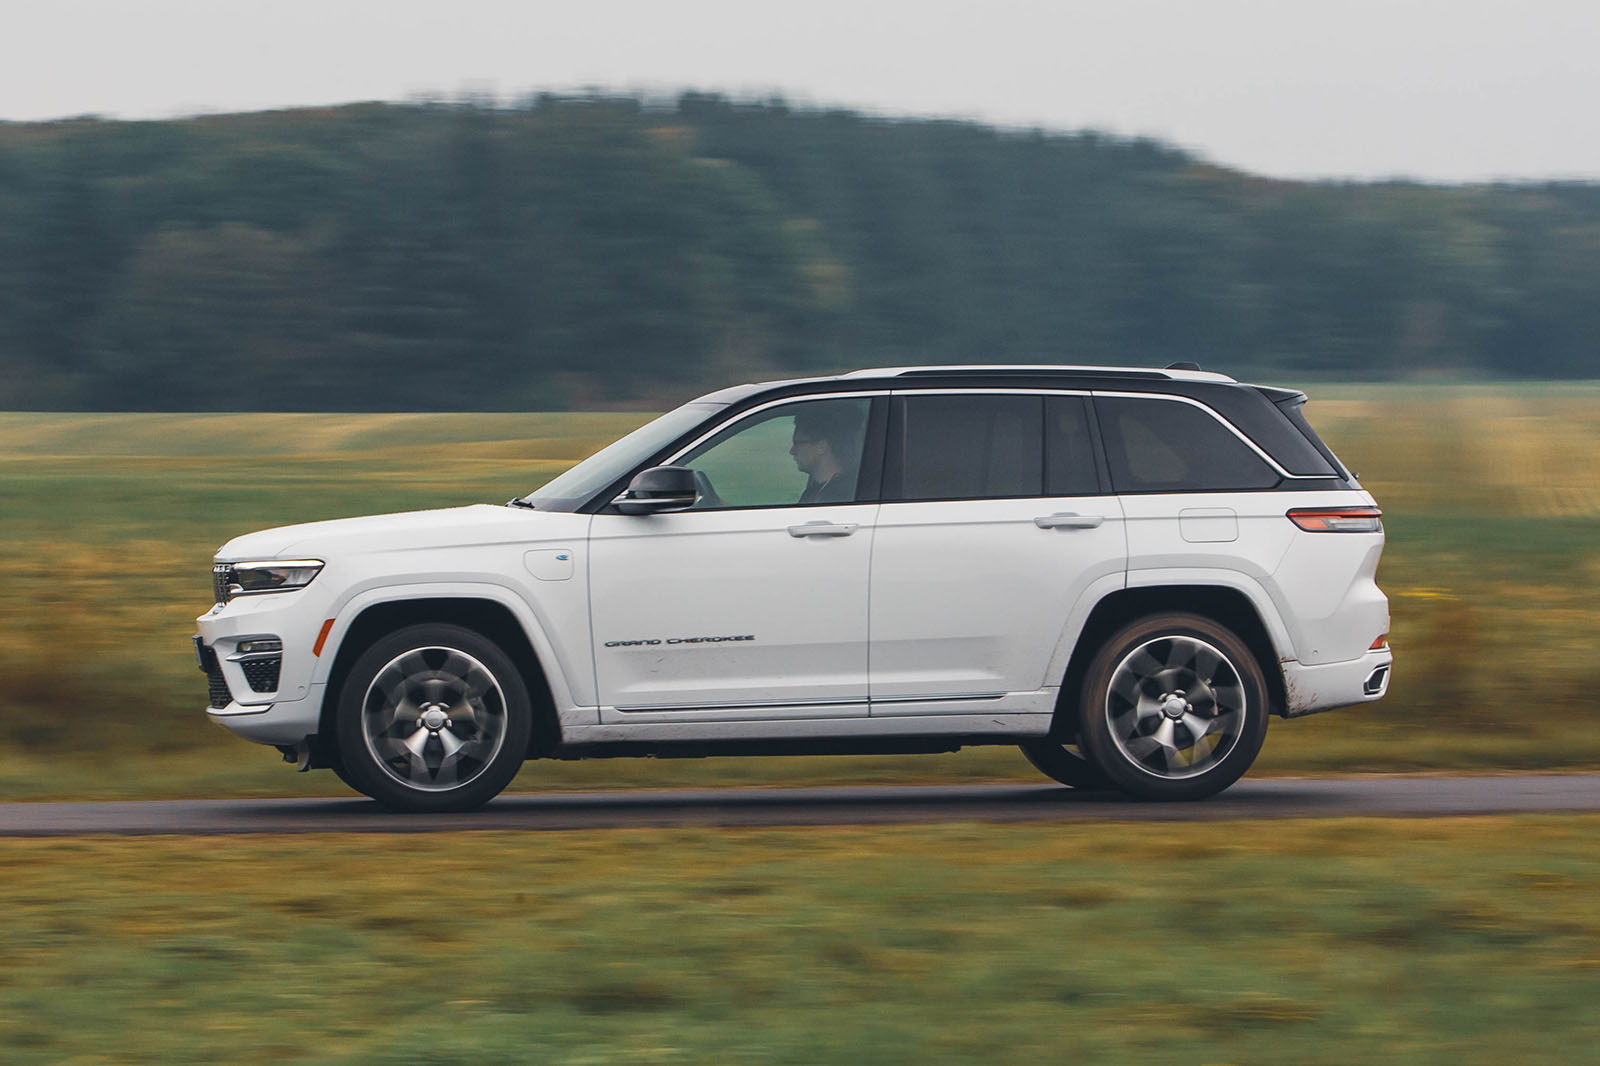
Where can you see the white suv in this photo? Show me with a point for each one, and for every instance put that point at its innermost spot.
(1123, 571)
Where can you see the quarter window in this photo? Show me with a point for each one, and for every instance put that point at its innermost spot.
(1159, 445)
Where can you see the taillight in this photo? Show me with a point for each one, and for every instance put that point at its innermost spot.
(1337, 519)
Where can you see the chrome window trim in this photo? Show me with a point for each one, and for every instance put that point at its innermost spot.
(747, 412)
(676, 457)
(1229, 426)
(1002, 390)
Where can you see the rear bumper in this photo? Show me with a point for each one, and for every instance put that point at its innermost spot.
(1311, 689)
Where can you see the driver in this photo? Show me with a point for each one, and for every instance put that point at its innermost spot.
(824, 447)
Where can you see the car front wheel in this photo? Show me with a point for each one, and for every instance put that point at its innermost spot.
(1174, 707)
(1065, 764)
(433, 718)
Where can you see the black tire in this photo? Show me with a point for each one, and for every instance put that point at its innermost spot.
(343, 775)
(1174, 707)
(433, 717)
(1066, 765)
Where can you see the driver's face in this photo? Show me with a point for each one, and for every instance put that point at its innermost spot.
(807, 451)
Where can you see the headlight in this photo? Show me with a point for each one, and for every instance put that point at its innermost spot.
(276, 575)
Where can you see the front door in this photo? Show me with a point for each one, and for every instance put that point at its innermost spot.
(751, 604)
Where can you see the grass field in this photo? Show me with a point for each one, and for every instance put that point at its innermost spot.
(1452, 942)
(108, 522)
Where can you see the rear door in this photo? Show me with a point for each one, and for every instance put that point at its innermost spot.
(995, 523)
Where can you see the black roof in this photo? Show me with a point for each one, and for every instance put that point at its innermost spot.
(1252, 409)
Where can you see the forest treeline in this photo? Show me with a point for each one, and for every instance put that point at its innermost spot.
(605, 251)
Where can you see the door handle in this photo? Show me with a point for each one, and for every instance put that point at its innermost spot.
(823, 529)
(1068, 520)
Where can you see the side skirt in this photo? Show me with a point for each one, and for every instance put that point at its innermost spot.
(703, 749)
(843, 736)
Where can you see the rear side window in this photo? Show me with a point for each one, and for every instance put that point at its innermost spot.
(1159, 445)
(969, 447)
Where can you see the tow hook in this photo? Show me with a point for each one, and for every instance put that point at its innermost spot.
(299, 754)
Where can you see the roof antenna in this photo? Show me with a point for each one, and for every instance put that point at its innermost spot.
(1183, 365)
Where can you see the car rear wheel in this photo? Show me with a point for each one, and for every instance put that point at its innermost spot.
(1174, 707)
(433, 718)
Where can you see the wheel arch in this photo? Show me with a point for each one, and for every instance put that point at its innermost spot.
(1223, 604)
(488, 617)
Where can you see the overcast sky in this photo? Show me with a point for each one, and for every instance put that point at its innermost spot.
(1443, 90)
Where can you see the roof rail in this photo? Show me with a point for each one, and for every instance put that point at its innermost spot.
(1176, 372)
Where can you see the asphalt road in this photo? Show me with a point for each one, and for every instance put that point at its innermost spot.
(1383, 796)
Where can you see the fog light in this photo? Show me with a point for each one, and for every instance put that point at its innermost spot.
(251, 647)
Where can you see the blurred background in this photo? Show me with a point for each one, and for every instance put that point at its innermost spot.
(267, 267)
(264, 264)
(574, 252)
(312, 306)
(220, 323)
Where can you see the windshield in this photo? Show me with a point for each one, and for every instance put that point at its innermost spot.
(570, 490)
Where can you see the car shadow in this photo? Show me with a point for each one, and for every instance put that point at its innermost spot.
(799, 806)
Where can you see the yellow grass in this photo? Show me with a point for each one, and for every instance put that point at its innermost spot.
(1533, 452)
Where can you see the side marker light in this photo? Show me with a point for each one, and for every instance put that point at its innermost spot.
(322, 638)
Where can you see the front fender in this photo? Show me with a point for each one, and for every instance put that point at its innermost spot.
(570, 686)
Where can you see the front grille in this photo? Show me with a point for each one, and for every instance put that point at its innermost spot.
(218, 688)
(262, 673)
(221, 578)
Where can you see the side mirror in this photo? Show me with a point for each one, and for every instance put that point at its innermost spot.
(660, 488)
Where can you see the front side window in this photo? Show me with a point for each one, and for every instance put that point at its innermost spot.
(795, 454)
(1160, 445)
(975, 447)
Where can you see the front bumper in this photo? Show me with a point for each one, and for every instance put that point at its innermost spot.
(279, 724)
(1311, 689)
(268, 706)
